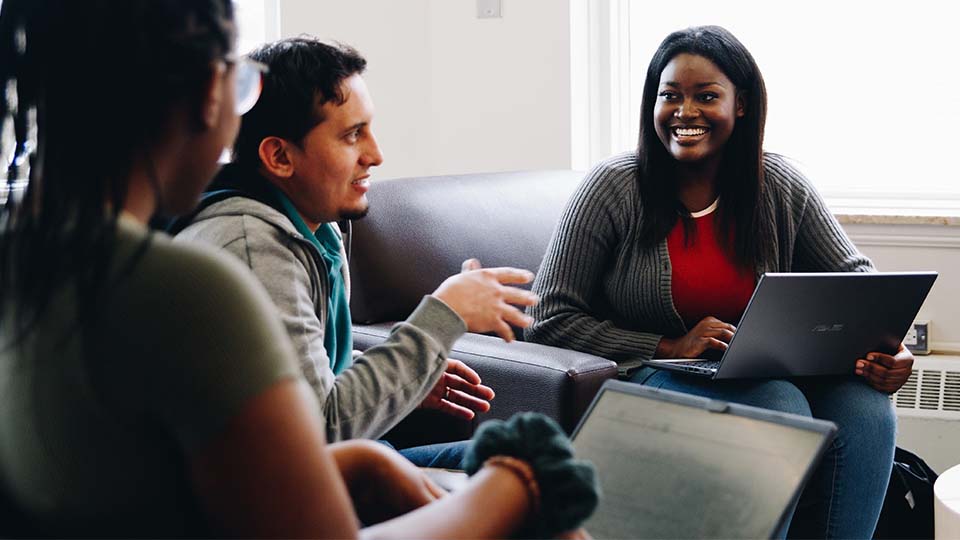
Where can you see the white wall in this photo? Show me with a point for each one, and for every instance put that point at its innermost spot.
(393, 37)
(921, 247)
(458, 94)
(936, 441)
(454, 93)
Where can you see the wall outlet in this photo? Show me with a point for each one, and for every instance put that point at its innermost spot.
(918, 337)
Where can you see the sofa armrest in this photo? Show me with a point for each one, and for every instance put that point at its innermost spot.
(525, 376)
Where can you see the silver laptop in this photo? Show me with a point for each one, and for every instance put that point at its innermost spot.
(799, 324)
(673, 465)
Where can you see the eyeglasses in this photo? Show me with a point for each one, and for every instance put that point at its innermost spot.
(249, 81)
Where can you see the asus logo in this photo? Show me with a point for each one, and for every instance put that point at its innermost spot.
(828, 328)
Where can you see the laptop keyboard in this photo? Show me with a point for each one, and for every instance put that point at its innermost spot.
(700, 366)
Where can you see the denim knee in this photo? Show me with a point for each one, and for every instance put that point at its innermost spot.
(441, 455)
(779, 395)
(866, 417)
(846, 493)
(775, 394)
(860, 411)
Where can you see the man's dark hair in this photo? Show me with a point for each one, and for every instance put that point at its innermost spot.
(305, 73)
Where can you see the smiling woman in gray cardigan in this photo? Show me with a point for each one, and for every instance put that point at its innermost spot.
(658, 251)
(604, 293)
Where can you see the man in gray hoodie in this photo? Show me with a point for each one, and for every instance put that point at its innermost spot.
(300, 164)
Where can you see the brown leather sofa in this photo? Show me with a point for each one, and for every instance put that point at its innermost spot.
(418, 232)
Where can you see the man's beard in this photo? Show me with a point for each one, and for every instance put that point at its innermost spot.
(353, 215)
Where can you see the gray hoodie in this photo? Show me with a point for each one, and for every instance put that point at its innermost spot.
(385, 383)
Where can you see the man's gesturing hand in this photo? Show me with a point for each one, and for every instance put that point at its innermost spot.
(459, 392)
(484, 299)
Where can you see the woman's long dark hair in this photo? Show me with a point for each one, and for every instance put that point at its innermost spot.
(740, 185)
(89, 86)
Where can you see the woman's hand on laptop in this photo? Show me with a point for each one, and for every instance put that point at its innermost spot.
(884, 372)
(710, 333)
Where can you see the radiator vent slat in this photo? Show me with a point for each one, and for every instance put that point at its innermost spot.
(951, 391)
(906, 397)
(933, 389)
(930, 389)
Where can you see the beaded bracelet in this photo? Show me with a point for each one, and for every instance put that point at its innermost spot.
(524, 472)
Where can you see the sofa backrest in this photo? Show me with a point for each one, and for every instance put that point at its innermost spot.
(420, 230)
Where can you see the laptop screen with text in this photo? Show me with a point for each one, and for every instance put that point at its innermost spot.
(675, 466)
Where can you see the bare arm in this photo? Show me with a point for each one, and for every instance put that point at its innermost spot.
(382, 483)
(268, 474)
(498, 492)
(250, 428)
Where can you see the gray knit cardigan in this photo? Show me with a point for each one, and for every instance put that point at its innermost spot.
(604, 294)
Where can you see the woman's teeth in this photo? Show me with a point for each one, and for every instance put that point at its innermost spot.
(689, 132)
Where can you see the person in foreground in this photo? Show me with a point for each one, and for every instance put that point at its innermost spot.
(659, 250)
(148, 388)
(301, 163)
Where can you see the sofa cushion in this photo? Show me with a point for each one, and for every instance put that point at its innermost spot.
(560, 383)
(418, 233)
(420, 230)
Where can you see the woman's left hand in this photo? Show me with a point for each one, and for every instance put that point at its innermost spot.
(884, 372)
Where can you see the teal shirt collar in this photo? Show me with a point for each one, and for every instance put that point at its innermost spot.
(338, 331)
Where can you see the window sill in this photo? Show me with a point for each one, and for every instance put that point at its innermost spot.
(895, 211)
(941, 356)
(847, 216)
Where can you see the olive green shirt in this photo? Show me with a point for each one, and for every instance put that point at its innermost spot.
(97, 419)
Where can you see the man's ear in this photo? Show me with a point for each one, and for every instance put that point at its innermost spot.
(741, 105)
(213, 97)
(274, 155)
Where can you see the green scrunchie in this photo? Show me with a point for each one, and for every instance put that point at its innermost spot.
(569, 490)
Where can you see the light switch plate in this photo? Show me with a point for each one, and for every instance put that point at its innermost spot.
(488, 9)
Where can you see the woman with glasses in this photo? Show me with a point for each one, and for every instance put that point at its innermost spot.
(148, 388)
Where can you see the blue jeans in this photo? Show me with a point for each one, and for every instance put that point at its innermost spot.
(845, 494)
(441, 455)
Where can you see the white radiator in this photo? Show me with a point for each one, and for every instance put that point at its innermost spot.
(933, 390)
(928, 408)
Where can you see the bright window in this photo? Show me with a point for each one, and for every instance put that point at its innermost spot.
(256, 23)
(861, 93)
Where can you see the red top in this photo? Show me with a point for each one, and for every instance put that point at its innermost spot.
(706, 280)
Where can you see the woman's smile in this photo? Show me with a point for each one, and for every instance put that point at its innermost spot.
(696, 109)
(686, 135)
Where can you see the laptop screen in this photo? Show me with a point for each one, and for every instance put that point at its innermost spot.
(670, 467)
